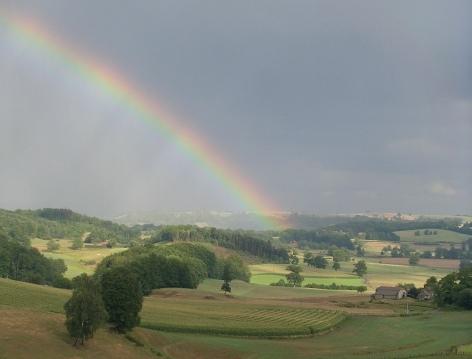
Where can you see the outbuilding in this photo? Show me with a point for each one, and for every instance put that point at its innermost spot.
(390, 293)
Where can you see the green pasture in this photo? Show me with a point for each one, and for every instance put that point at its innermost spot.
(32, 296)
(75, 260)
(431, 334)
(443, 236)
(392, 274)
(267, 279)
(262, 291)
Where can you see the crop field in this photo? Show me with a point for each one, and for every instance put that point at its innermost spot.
(226, 316)
(443, 236)
(392, 274)
(78, 261)
(452, 264)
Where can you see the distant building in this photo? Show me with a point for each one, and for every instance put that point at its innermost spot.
(426, 294)
(389, 293)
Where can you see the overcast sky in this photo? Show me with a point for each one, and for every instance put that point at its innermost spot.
(327, 106)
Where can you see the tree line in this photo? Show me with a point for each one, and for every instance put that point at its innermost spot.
(255, 243)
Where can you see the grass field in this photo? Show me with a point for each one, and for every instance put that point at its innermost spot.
(357, 337)
(443, 236)
(392, 274)
(31, 296)
(451, 264)
(259, 291)
(267, 279)
(31, 322)
(75, 259)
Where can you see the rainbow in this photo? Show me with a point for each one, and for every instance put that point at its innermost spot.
(145, 109)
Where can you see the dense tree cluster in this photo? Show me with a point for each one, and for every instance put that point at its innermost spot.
(26, 264)
(48, 223)
(180, 265)
(455, 289)
(317, 239)
(85, 311)
(254, 243)
(315, 261)
(360, 268)
(397, 251)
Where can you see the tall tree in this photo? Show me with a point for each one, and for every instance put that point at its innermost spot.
(85, 311)
(360, 268)
(123, 298)
(336, 266)
(228, 276)
(294, 278)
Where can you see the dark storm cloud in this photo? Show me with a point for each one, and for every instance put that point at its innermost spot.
(328, 106)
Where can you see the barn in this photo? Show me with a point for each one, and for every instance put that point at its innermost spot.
(389, 293)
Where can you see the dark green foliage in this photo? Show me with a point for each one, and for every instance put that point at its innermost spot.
(333, 286)
(226, 287)
(454, 289)
(27, 264)
(431, 283)
(254, 243)
(77, 243)
(21, 225)
(411, 290)
(319, 239)
(320, 262)
(239, 270)
(339, 254)
(464, 298)
(414, 259)
(336, 266)
(53, 245)
(62, 282)
(379, 229)
(228, 276)
(451, 253)
(179, 265)
(85, 311)
(397, 252)
(123, 298)
(293, 258)
(360, 268)
(294, 278)
(317, 261)
(465, 263)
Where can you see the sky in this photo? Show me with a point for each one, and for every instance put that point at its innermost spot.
(325, 106)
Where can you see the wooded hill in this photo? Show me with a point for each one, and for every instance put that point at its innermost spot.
(47, 223)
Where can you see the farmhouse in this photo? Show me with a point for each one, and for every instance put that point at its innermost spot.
(389, 293)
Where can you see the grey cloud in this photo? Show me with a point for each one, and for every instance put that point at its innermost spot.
(327, 106)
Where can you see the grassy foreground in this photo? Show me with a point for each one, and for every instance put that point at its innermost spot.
(31, 322)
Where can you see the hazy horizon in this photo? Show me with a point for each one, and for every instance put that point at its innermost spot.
(325, 108)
